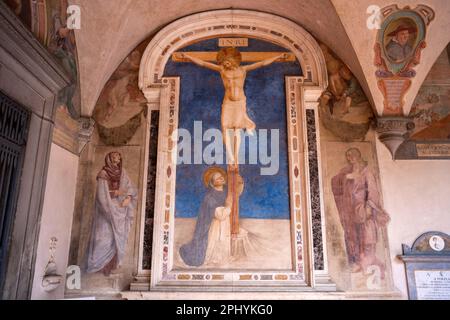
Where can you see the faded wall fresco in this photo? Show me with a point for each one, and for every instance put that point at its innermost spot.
(120, 106)
(264, 211)
(431, 109)
(429, 137)
(356, 223)
(120, 102)
(344, 108)
(356, 252)
(47, 19)
(23, 10)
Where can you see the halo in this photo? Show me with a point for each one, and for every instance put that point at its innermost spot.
(232, 52)
(210, 172)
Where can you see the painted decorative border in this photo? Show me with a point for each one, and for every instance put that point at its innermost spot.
(163, 94)
(165, 203)
(395, 78)
(150, 191)
(314, 187)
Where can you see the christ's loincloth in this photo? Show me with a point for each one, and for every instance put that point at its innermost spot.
(234, 115)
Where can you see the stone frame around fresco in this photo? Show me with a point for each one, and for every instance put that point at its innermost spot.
(163, 94)
(300, 277)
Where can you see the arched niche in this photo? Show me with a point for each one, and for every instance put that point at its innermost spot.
(302, 95)
(224, 23)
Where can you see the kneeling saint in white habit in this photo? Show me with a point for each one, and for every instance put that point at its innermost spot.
(219, 238)
(218, 251)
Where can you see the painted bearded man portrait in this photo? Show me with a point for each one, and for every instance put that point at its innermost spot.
(399, 48)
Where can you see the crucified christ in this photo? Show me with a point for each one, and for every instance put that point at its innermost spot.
(234, 106)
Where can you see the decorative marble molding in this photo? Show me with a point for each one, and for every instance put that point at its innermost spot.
(70, 134)
(392, 131)
(261, 296)
(41, 63)
(232, 23)
(424, 150)
(163, 94)
(309, 104)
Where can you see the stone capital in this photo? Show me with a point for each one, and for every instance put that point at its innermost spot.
(392, 131)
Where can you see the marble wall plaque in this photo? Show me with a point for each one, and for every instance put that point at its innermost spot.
(432, 284)
(427, 265)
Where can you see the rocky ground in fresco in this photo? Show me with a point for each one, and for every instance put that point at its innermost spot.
(266, 245)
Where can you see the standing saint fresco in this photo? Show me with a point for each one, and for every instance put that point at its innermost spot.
(115, 201)
(63, 45)
(358, 202)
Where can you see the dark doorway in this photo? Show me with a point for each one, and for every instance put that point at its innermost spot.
(14, 121)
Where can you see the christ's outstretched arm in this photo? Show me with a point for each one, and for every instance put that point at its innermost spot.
(265, 62)
(201, 63)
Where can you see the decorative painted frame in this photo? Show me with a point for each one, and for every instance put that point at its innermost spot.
(163, 94)
(395, 79)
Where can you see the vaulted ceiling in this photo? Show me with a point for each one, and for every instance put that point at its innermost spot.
(111, 29)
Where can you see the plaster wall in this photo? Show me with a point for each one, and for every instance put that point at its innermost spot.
(416, 194)
(56, 220)
(111, 29)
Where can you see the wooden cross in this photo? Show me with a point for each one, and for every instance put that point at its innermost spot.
(246, 56)
(233, 170)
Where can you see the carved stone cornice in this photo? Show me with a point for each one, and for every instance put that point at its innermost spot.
(21, 44)
(392, 131)
(153, 94)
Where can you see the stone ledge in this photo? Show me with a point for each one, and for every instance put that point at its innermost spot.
(391, 295)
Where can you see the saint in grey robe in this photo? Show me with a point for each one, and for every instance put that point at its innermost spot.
(111, 224)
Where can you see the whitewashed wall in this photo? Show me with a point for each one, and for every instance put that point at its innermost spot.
(57, 216)
(417, 195)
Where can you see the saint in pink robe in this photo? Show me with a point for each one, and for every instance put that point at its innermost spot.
(358, 202)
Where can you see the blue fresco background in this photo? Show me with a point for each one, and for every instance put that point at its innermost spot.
(264, 197)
